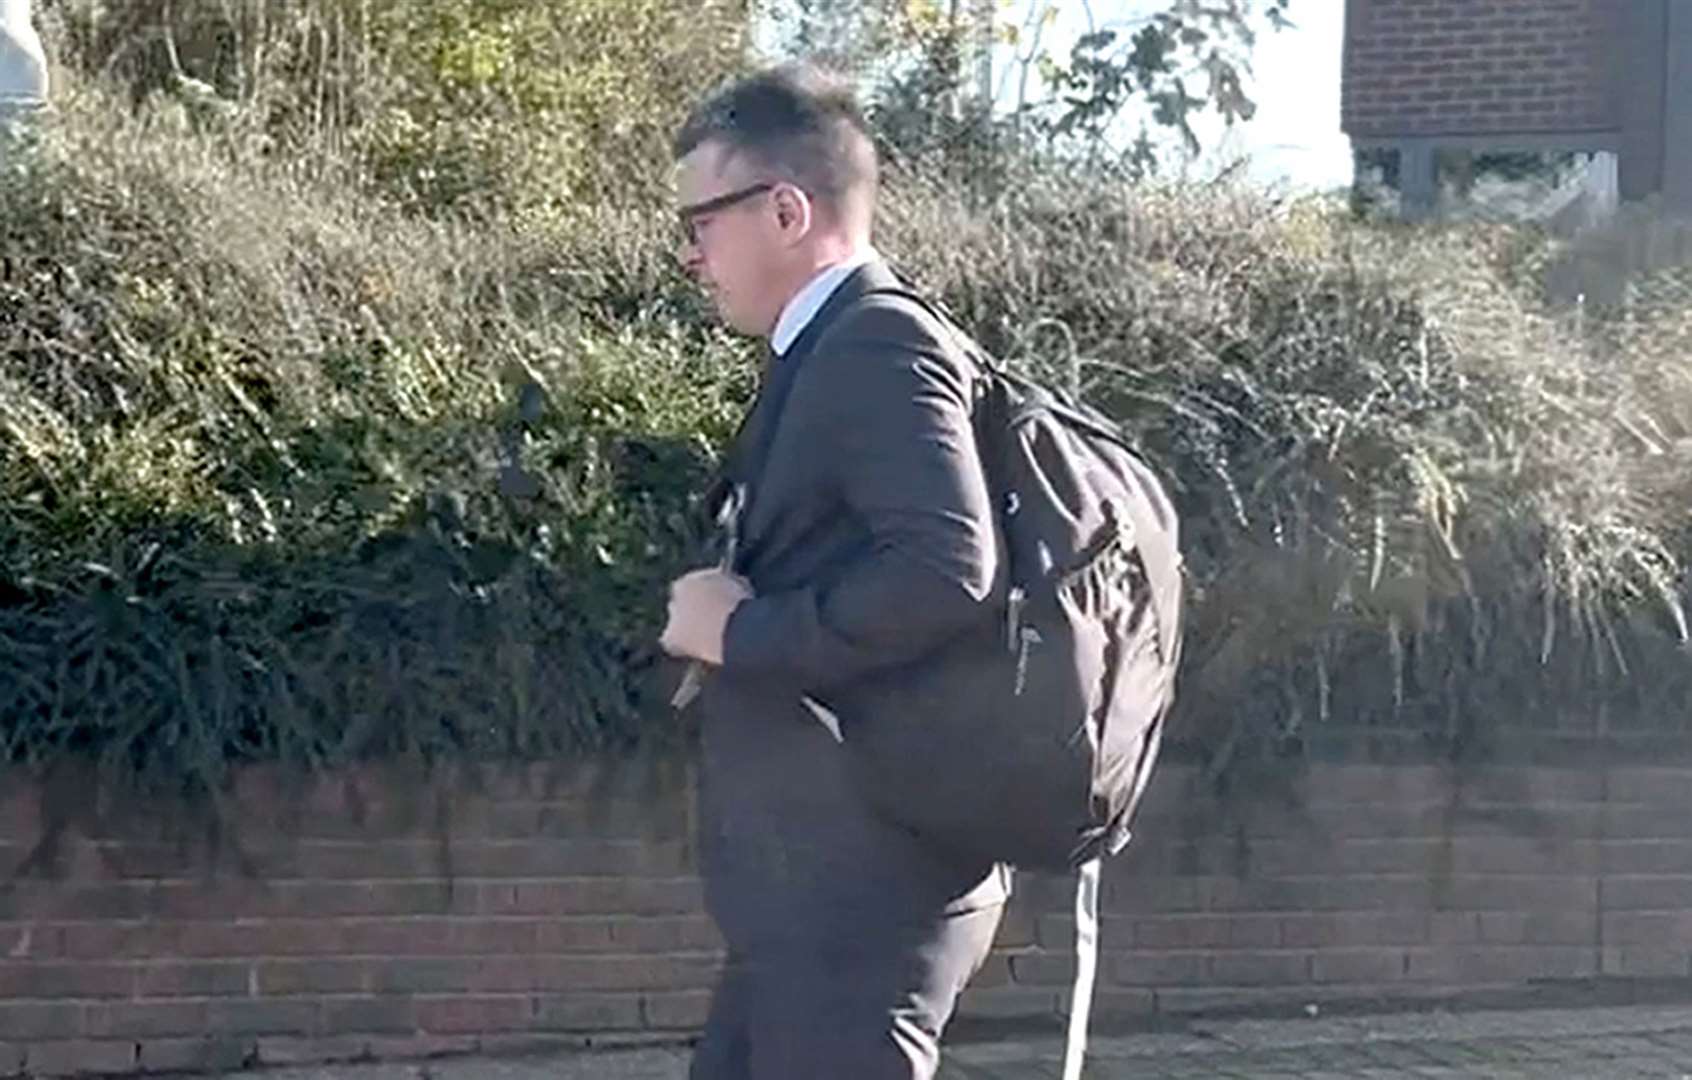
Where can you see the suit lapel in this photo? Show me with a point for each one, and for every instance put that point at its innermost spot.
(749, 455)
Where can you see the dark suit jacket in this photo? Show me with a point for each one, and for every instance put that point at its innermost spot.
(868, 538)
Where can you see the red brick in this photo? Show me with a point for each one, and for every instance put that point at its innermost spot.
(117, 940)
(1657, 893)
(1058, 931)
(48, 980)
(1042, 969)
(42, 1020)
(318, 975)
(1453, 927)
(572, 858)
(394, 1014)
(198, 978)
(1538, 928)
(1177, 1001)
(680, 1011)
(1395, 855)
(1369, 966)
(1515, 892)
(1654, 961)
(1260, 968)
(608, 973)
(415, 1047)
(31, 941)
(587, 1012)
(221, 899)
(1475, 965)
(278, 1050)
(145, 1019)
(419, 935)
(1566, 821)
(20, 810)
(131, 860)
(1020, 925)
(1386, 855)
(1350, 929)
(1152, 896)
(996, 970)
(485, 937)
(80, 1057)
(1157, 968)
(619, 819)
(212, 1054)
(654, 782)
(372, 860)
(25, 901)
(176, 940)
(273, 937)
(473, 1015)
(1175, 790)
(1199, 931)
(1666, 930)
(1523, 855)
(1376, 821)
(1640, 785)
(1011, 1002)
(1646, 821)
(260, 1017)
(573, 935)
(436, 975)
(321, 899)
(1266, 894)
(667, 934)
(1378, 892)
(608, 896)
(530, 1044)
(1116, 1003)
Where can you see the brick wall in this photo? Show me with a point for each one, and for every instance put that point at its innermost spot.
(380, 915)
(1481, 67)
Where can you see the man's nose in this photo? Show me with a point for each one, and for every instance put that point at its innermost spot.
(687, 253)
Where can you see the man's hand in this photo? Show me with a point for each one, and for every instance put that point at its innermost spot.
(700, 606)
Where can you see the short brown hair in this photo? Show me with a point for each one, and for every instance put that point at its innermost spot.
(799, 121)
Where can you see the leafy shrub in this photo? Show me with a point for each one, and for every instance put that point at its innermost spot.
(290, 471)
(468, 106)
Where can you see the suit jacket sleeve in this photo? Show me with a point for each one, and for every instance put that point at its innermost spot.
(891, 407)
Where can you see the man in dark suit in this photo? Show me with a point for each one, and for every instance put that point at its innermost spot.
(866, 541)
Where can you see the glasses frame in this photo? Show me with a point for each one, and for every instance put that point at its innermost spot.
(688, 216)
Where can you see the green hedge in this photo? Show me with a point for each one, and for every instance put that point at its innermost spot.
(289, 471)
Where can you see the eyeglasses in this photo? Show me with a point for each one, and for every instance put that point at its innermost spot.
(688, 216)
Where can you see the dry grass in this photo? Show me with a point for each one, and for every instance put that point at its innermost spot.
(1415, 496)
(290, 470)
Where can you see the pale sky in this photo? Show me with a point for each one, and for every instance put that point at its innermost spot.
(1296, 73)
(1295, 138)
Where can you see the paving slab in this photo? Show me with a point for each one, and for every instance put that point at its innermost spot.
(1613, 1043)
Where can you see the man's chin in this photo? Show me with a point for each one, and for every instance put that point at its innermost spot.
(744, 326)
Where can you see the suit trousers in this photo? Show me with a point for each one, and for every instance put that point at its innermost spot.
(860, 1004)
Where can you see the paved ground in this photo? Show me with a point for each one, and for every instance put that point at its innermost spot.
(1544, 1044)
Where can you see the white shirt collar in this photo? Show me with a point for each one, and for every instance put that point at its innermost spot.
(809, 300)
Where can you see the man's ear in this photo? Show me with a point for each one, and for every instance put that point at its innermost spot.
(794, 212)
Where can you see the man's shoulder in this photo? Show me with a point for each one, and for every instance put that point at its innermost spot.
(896, 327)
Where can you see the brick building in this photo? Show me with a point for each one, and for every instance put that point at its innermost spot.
(1597, 76)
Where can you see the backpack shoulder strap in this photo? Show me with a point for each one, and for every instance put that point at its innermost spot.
(1086, 968)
